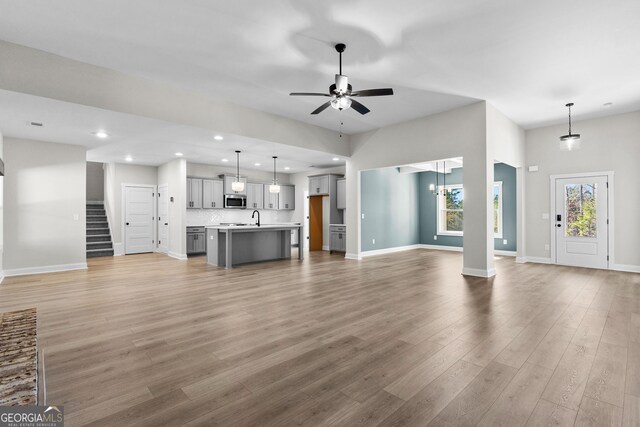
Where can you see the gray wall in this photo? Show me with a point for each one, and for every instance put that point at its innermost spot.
(95, 182)
(45, 203)
(428, 219)
(390, 207)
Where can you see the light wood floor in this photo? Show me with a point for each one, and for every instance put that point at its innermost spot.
(401, 339)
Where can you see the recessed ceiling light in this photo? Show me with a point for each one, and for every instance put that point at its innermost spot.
(101, 134)
(287, 168)
(225, 160)
(607, 104)
(128, 159)
(218, 138)
(335, 159)
(256, 164)
(179, 154)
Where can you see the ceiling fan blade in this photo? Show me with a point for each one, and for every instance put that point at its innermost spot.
(359, 107)
(321, 108)
(307, 94)
(373, 92)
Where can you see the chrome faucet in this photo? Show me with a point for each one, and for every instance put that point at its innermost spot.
(253, 214)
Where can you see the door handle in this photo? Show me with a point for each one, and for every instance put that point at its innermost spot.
(166, 223)
(127, 223)
(558, 225)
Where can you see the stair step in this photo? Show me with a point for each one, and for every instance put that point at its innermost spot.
(99, 245)
(98, 238)
(92, 253)
(99, 224)
(96, 212)
(97, 231)
(96, 218)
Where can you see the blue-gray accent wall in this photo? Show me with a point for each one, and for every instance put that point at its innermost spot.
(391, 210)
(428, 218)
(400, 210)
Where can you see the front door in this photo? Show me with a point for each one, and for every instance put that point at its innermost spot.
(163, 218)
(581, 221)
(139, 221)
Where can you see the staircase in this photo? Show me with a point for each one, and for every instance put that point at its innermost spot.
(98, 235)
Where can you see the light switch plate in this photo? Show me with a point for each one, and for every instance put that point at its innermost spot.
(373, 241)
(435, 237)
(504, 242)
(362, 216)
(545, 216)
(533, 168)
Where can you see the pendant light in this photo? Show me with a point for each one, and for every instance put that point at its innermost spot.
(274, 188)
(570, 141)
(237, 185)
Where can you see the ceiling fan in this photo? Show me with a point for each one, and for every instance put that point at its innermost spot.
(341, 94)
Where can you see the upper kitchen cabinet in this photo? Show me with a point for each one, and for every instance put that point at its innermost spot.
(230, 179)
(194, 193)
(255, 196)
(287, 197)
(341, 191)
(270, 199)
(212, 194)
(319, 185)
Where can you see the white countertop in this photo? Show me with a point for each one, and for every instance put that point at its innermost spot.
(255, 227)
(337, 225)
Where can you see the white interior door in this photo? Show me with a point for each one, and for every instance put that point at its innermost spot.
(581, 221)
(163, 218)
(139, 219)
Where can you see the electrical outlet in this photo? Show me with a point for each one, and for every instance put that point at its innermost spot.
(435, 237)
(76, 217)
(546, 247)
(373, 241)
(504, 242)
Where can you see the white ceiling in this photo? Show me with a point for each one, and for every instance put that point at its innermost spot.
(528, 58)
(147, 141)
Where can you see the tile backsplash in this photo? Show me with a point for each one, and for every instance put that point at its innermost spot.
(197, 217)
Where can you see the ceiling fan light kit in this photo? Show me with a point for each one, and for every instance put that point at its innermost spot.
(570, 141)
(341, 92)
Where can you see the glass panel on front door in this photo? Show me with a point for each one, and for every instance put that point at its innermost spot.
(580, 210)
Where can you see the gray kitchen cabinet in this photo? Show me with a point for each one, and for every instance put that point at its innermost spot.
(255, 196)
(337, 238)
(212, 194)
(196, 240)
(341, 194)
(287, 197)
(318, 185)
(229, 180)
(270, 199)
(194, 193)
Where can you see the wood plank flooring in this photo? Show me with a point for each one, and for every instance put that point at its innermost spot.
(399, 339)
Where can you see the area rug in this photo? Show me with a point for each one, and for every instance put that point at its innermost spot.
(18, 358)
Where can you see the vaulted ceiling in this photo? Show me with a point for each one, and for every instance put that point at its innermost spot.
(528, 58)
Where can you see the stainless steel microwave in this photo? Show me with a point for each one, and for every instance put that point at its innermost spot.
(235, 201)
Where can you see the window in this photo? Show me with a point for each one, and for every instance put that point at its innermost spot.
(451, 208)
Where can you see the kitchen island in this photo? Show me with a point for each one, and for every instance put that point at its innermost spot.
(231, 245)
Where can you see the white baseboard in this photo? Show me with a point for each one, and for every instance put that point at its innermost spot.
(505, 253)
(44, 269)
(538, 260)
(521, 259)
(118, 249)
(325, 248)
(627, 268)
(352, 256)
(375, 252)
(1, 276)
(176, 255)
(478, 272)
(442, 248)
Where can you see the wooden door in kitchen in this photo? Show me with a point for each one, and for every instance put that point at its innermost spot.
(139, 218)
(163, 218)
(315, 223)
